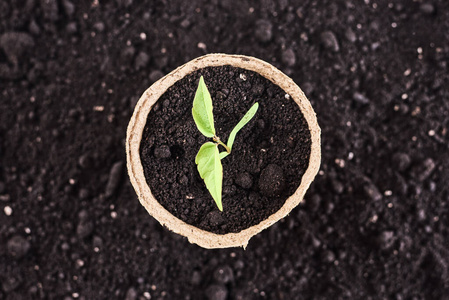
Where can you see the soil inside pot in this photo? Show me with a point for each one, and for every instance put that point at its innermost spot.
(269, 156)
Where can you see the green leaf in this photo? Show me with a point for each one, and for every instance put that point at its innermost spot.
(223, 154)
(246, 118)
(211, 170)
(202, 110)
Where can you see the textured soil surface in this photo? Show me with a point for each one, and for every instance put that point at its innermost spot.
(269, 156)
(374, 224)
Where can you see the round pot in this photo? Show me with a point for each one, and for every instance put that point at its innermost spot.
(137, 124)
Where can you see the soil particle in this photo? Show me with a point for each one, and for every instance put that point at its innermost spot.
(125, 3)
(85, 226)
(337, 186)
(15, 45)
(328, 256)
(100, 27)
(263, 30)
(401, 161)
(71, 28)
(213, 219)
(289, 57)
(142, 60)
(245, 180)
(34, 28)
(272, 181)
(131, 294)
(385, 240)
(423, 170)
(83, 194)
(18, 246)
(50, 9)
(162, 151)
(196, 278)
(224, 274)
(85, 161)
(156, 75)
(427, 8)
(115, 178)
(372, 191)
(329, 41)
(360, 98)
(350, 35)
(11, 283)
(216, 292)
(69, 7)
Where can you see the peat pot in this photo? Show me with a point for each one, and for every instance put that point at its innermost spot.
(273, 161)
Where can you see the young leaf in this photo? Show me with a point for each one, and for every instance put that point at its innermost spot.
(223, 154)
(211, 170)
(202, 110)
(246, 118)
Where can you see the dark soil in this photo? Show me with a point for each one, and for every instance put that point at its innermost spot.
(374, 224)
(275, 143)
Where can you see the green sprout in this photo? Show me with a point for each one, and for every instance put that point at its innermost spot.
(209, 157)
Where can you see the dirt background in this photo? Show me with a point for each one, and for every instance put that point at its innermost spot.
(375, 221)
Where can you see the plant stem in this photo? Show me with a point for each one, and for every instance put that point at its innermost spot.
(223, 144)
(217, 139)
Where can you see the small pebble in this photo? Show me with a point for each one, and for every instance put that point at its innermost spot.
(162, 151)
(350, 35)
(328, 256)
(423, 170)
(84, 228)
(85, 161)
(185, 23)
(18, 246)
(329, 41)
(216, 292)
(224, 274)
(69, 7)
(83, 194)
(245, 180)
(50, 9)
(156, 75)
(196, 278)
(360, 98)
(71, 27)
(15, 45)
(131, 294)
(258, 89)
(142, 60)
(99, 26)
(115, 176)
(34, 28)
(272, 181)
(9, 284)
(8, 210)
(288, 57)
(385, 240)
(263, 31)
(337, 186)
(372, 192)
(401, 161)
(427, 8)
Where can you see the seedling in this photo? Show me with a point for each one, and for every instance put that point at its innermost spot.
(209, 156)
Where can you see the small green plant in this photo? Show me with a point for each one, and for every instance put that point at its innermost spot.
(209, 157)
